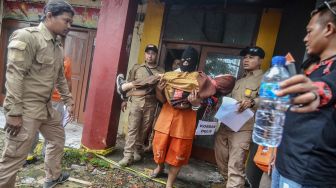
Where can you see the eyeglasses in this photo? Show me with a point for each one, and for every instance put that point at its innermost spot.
(329, 7)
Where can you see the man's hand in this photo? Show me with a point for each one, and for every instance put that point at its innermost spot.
(159, 91)
(13, 125)
(307, 100)
(194, 99)
(160, 86)
(123, 106)
(71, 113)
(244, 104)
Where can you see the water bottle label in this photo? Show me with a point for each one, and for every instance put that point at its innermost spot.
(268, 90)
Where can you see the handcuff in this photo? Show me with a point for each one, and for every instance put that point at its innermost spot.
(195, 108)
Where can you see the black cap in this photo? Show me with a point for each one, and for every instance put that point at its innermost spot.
(254, 51)
(151, 47)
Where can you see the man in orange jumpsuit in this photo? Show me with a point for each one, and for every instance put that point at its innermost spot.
(175, 127)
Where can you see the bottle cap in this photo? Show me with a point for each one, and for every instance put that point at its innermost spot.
(278, 60)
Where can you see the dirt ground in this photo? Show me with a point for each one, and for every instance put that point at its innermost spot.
(95, 171)
(92, 171)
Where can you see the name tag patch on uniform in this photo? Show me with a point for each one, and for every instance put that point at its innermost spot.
(248, 92)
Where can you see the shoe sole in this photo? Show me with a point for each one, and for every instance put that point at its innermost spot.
(123, 166)
(126, 165)
(118, 84)
(61, 182)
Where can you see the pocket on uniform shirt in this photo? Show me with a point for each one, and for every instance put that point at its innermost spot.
(45, 63)
(251, 91)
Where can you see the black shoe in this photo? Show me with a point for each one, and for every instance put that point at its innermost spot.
(63, 178)
(120, 81)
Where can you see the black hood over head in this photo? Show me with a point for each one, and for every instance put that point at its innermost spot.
(190, 55)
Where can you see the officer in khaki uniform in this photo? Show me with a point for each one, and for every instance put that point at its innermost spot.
(34, 68)
(142, 108)
(231, 148)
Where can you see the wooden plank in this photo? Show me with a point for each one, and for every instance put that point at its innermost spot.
(80, 181)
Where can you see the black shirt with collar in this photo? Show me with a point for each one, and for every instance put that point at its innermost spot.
(307, 153)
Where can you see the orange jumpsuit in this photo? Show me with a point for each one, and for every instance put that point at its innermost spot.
(67, 73)
(174, 133)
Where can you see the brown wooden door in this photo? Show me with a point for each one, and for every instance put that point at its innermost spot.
(79, 47)
(8, 27)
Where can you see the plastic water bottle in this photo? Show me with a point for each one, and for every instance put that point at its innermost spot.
(270, 116)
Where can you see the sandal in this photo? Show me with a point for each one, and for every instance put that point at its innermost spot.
(156, 175)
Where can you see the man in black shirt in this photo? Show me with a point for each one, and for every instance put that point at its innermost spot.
(306, 156)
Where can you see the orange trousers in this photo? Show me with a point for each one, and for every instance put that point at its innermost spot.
(174, 151)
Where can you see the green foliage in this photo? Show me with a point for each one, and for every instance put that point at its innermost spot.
(99, 163)
(75, 156)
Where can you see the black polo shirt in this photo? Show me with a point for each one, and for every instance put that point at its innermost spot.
(307, 153)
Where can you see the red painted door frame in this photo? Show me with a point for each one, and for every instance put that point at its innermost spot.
(116, 23)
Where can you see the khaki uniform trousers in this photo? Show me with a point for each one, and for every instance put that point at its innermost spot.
(17, 148)
(59, 107)
(231, 151)
(140, 122)
(266, 181)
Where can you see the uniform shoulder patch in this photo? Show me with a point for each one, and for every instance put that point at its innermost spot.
(17, 44)
(31, 29)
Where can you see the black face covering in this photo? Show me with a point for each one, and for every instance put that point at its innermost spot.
(190, 55)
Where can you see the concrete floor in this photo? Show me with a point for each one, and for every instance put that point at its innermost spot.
(195, 174)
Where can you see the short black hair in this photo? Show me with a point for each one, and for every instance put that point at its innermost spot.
(325, 14)
(57, 7)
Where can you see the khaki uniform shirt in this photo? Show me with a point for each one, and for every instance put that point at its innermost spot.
(138, 72)
(248, 88)
(34, 69)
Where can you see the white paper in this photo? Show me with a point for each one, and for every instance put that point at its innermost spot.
(206, 128)
(228, 114)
